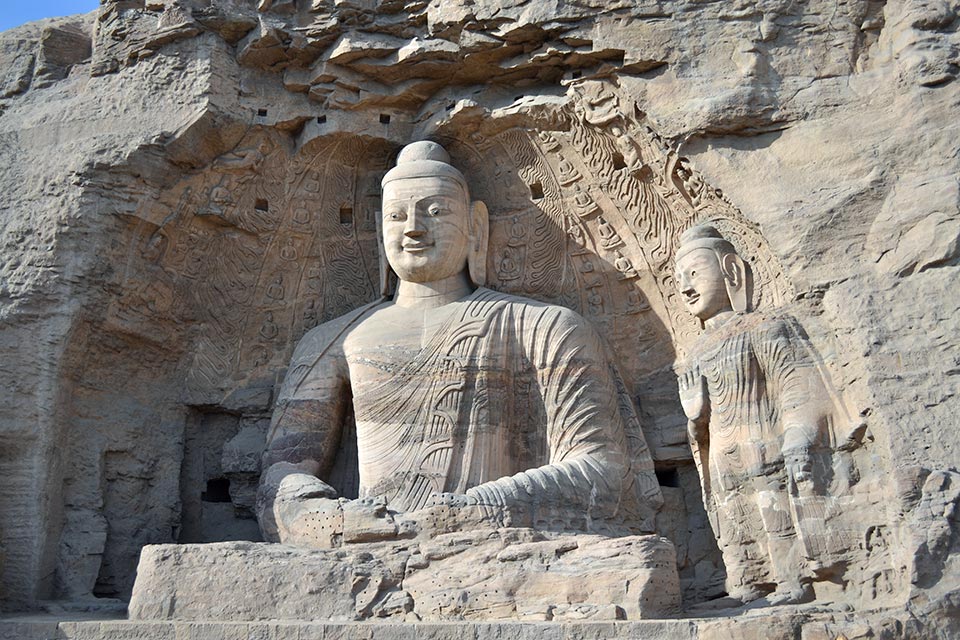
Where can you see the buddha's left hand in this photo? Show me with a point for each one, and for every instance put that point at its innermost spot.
(448, 512)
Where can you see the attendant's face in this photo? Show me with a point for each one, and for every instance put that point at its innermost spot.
(701, 284)
(425, 228)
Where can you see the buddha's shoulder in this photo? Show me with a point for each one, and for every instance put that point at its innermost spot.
(332, 333)
(530, 308)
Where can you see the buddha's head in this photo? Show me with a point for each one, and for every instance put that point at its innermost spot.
(429, 228)
(710, 276)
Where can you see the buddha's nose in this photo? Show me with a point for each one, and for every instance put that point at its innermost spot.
(414, 228)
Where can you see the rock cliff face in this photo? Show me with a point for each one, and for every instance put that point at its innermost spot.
(190, 185)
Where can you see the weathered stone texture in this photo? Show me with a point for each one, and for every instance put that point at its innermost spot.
(189, 186)
(509, 574)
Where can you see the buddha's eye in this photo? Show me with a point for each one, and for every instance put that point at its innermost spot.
(434, 210)
(693, 274)
(394, 215)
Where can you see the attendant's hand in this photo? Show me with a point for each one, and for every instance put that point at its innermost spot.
(799, 465)
(693, 399)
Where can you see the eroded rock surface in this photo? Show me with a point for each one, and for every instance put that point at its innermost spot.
(510, 574)
(190, 186)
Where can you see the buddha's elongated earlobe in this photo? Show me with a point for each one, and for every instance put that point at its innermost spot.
(388, 279)
(736, 279)
(479, 239)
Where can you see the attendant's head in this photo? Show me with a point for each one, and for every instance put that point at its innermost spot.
(430, 229)
(710, 276)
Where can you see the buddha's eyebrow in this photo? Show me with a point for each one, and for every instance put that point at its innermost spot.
(417, 198)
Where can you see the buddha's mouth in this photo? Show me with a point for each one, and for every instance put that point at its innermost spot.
(417, 247)
(692, 298)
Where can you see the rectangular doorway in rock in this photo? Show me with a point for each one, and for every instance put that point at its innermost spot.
(208, 511)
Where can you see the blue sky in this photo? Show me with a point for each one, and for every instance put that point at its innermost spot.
(13, 13)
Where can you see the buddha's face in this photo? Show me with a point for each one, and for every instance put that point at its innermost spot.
(701, 284)
(425, 228)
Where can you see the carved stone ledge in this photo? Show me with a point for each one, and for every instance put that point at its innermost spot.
(510, 574)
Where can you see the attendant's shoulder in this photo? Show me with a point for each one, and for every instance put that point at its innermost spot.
(771, 325)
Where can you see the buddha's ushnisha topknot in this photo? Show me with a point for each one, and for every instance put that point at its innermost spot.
(425, 159)
(423, 150)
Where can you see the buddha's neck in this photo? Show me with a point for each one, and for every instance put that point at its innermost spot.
(433, 294)
(718, 320)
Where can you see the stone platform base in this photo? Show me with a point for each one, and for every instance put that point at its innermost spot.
(807, 622)
(510, 574)
(128, 630)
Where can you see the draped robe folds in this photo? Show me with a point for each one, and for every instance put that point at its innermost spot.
(505, 399)
(765, 393)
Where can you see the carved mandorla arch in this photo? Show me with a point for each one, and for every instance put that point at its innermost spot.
(586, 206)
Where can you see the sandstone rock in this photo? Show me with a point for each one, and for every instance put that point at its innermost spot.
(61, 47)
(510, 574)
(137, 271)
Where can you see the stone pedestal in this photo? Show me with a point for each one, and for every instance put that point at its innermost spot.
(71, 629)
(510, 574)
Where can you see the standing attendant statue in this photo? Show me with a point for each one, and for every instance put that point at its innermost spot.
(760, 420)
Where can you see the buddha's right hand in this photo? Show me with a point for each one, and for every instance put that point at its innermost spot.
(307, 512)
(324, 523)
(314, 522)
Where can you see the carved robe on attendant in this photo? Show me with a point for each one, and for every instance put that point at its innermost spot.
(764, 389)
(505, 399)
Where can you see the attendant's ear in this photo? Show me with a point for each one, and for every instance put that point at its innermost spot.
(736, 277)
(479, 240)
(388, 279)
